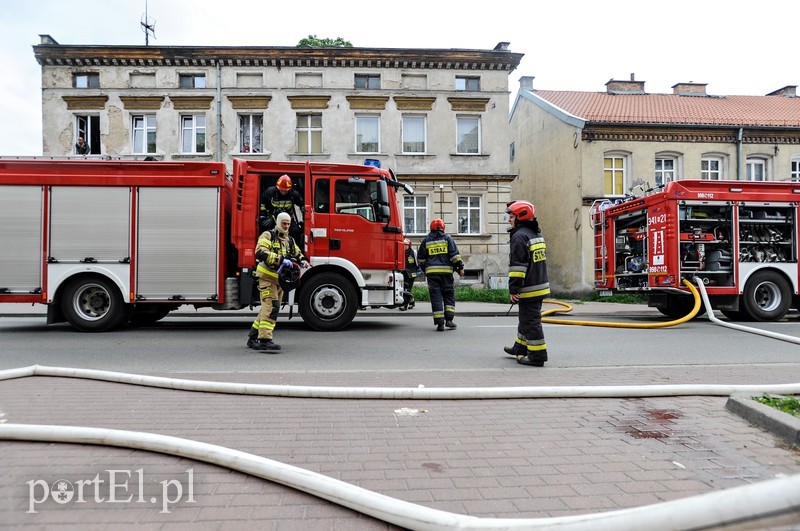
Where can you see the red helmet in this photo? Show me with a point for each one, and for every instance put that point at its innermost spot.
(284, 182)
(437, 224)
(523, 210)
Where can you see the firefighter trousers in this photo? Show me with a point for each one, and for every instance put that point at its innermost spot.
(271, 295)
(443, 297)
(530, 335)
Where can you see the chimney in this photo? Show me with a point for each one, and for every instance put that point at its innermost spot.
(526, 83)
(790, 91)
(502, 47)
(616, 86)
(46, 39)
(689, 89)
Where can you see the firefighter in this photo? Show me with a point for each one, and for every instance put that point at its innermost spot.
(282, 198)
(276, 249)
(527, 284)
(438, 256)
(410, 274)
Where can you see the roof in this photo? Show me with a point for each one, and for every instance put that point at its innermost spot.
(51, 53)
(750, 111)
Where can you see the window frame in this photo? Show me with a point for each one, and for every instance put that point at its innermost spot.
(195, 77)
(707, 174)
(311, 132)
(404, 130)
(753, 162)
(469, 208)
(467, 83)
(367, 81)
(92, 80)
(794, 168)
(194, 130)
(664, 174)
(254, 146)
(416, 210)
(144, 131)
(624, 158)
(459, 134)
(362, 119)
(90, 131)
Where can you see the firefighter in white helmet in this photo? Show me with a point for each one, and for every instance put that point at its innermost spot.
(276, 249)
(527, 283)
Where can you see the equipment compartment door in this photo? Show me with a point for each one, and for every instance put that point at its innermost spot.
(178, 244)
(20, 239)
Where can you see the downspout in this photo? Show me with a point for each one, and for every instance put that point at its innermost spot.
(219, 113)
(739, 161)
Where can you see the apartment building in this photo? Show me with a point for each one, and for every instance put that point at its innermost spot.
(571, 148)
(437, 117)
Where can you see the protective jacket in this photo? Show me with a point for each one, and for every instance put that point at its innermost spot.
(273, 202)
(412, 269)
(271, 249)
(438, 254)
(527, 269)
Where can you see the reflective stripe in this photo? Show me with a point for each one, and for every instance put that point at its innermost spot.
(456, 259)
(516, 274)
(438, 315)
(438, 269)
(264, 271)
(450, 309)
(532, 294)
(536, 348)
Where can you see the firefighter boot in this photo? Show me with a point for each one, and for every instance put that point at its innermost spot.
(266, 344)
(412, 302)
(510, 351)
(451, 325)
(252, 338)
(525, 360)
(440, 326)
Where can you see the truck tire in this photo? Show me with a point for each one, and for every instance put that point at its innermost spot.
(767, 296)
(94, 304)
(328, 302)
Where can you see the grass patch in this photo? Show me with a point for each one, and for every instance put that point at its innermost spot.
(787, 404)
(500, 296)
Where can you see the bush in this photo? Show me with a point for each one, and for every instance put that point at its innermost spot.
(500, 296)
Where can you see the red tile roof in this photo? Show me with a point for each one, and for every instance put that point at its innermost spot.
(769, 111)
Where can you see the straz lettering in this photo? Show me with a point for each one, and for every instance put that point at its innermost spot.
(538, 255)
(437, 248)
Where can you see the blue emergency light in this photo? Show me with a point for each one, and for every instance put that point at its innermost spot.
(372, 162)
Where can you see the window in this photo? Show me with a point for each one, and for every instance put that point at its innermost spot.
(309, 133)
(469, 214)
(144, 133)
(711, 168)
(91, 80)
(512, 151)
(614, 174)
(368, 81)
(193, 133)
(355, 198)
(251, 132)
(472, 84)
(795, 173)
(415, 213)
(665, 171)
(190, 81)
(368, 138)
(756, 169)
(468, 137)
(87, 126)
(414, 134)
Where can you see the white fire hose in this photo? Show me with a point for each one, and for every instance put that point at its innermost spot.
(764, 504)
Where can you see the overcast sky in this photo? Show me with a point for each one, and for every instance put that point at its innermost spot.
(735, 48)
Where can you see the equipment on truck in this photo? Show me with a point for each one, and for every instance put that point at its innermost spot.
(102, 243)
(739, 238)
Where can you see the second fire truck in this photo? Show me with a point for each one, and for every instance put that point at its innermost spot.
(739, 238)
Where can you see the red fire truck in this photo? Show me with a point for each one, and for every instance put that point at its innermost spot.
(740, 238)
(102, 243)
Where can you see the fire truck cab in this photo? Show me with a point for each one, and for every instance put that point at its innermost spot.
(739, 238)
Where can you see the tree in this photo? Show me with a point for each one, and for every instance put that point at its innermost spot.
(312, 41)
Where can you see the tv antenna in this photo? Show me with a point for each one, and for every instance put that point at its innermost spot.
(148, 26)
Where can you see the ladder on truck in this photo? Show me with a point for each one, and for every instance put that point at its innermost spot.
(597, 222)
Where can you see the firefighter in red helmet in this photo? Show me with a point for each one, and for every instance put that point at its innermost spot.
(527, 284)
(282, 198)
(438, 256)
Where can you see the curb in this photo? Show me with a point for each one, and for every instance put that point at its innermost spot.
(780, 424)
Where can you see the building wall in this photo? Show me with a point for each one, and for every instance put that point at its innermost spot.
(273, 91)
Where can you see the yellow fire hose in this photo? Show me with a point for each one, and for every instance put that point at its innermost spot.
(607, 324)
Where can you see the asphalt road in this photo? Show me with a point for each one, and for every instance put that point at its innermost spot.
(381, 342)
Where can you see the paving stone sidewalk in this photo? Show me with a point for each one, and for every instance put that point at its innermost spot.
(521, 458)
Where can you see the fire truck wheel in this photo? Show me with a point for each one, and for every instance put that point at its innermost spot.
(328, 302)
(767, 296)
(94, 304)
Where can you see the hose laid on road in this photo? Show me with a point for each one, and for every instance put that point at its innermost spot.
(608, 324)
(769, 503)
